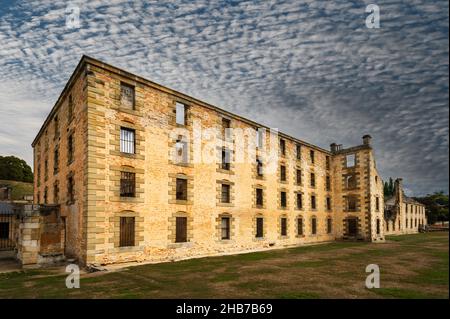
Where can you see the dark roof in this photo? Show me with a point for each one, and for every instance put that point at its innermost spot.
(6, 209)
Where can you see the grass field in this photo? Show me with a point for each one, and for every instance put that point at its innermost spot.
(19, 189)
(411, 266)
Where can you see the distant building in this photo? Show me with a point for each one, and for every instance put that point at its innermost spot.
(402, 214)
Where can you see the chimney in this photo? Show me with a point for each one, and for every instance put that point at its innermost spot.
(333, 147)
(367, 139)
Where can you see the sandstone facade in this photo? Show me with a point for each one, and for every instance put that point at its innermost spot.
(318, 196)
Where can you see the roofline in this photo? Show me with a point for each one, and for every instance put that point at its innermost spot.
(85, 59)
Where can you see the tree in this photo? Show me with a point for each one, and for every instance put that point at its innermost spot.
(15, 169)
(436, 206)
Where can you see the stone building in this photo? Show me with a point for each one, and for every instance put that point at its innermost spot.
(403, 215)
(143, 172)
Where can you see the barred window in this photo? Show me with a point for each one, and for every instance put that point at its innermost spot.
(225, 198)
(283, 199)
(283, 226)
(127, 231)
(282, 146)
(181, 193)
(298, 177)
(299, 200)
(300, 226)
(259, 227)
(313, 202)
(70, 148)
(259, 167)
(313, 226)
(127, 140)
(181, 229)
(259, 197)
(127, 184)
(225, 159)
(127, 96)
(283, 173)
(225, 228)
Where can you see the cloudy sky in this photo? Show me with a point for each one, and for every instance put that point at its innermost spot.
(310, 68)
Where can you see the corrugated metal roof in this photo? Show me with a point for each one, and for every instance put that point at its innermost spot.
(6, 209)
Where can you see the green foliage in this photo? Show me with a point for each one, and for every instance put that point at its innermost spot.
(436, 206)
(15, 169)
(388, 188)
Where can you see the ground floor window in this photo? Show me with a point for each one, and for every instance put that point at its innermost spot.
(378, 226)
(259, 227)
(283, 225)
(181, 230)
(300, 226)
(127, 231)
(329, 225)
(4, 230)
(225, 228)
(314, 226)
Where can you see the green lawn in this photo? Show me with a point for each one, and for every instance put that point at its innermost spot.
(411, 266)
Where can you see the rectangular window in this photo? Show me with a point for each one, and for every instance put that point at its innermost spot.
(225, 193)
(313, 180)
(127, 140)
(329, 226)
(328, 183)
(377, 203)
(225, 228)
(283, 226)
(70, 190)
(127, 184)
(55, 194)
(299, 200)
(327, 162)
(282, 146)
(350, 181)
(259, 137)
(182, 152)
(56, 126)
(351, 204)
(300, 226)
(225, 159)
(314, 226)
(70, 106)
(46, 169)
(298, 177)
(4, 230)
(311, 156)
(127, 96)
(259, 227)
(283, 199)
(259, 167)
(45, 195)
(259, 197)
(350, 160)
(226, 129)
(298, 149)
(282, 173)
(56, 161)
(328, 203)
(181, 193)
(181, 230)
(38, 174)
(126, 231)
(378, 226)
(180, 110)
(313, 202)
(70, 149)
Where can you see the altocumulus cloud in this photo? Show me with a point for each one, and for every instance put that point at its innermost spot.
(310, 68)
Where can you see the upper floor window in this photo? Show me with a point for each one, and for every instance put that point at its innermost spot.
(56, 161)
(350, 181)
(298, 176)
(298, 149)
(181, 191)
(127, 96)
(127, 140)
(282, 146)
(282, 173)
(377, 203)
(313, 202)
(56, 123)
(127, 184)
(259, 197)
(182, 152)
(226, 128)
(312, 156)
(328, 183)
(327, 162)
(260, 137)
(70, 106)
(283, 199)
(299, 200)
(180, 113)
(225, 196)
(351, 203)
(225, 159)
(70, 148)
(328, 203)
(313, 180)
(71, 190)
(259, 167)
(350, 160)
